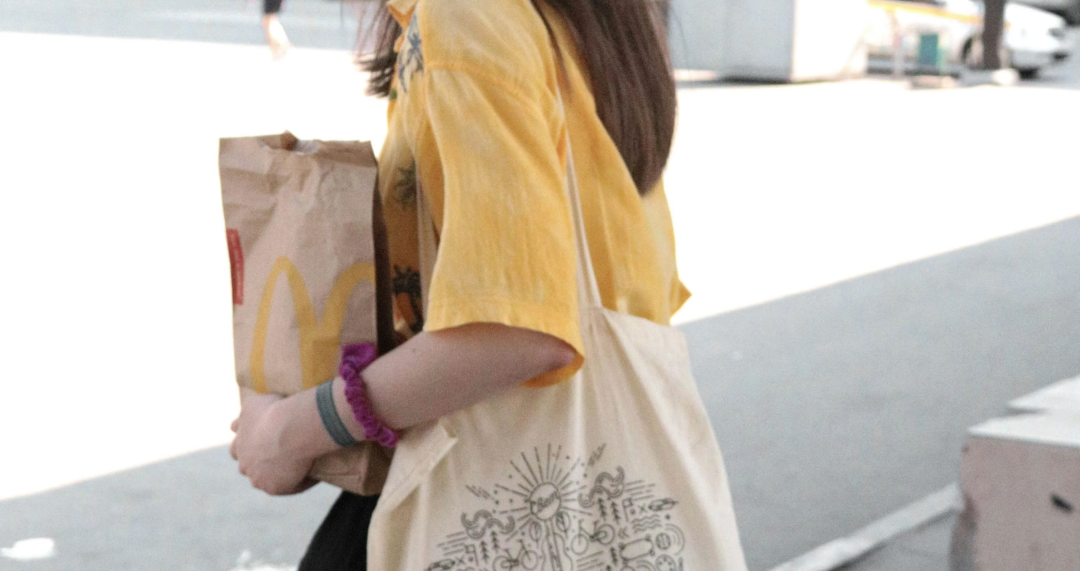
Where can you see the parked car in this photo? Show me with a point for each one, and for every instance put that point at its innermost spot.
(1034, 38)
(1070, 9)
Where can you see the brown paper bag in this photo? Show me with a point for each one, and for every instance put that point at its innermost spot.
(310, 273)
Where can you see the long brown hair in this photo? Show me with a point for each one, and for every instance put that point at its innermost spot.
(623, 44)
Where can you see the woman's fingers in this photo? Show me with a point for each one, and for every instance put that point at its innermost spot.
(304, 486)
(235, 426)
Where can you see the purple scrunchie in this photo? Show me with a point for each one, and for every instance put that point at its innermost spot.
(354, 359)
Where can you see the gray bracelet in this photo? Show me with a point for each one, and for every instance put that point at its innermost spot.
(324, 397)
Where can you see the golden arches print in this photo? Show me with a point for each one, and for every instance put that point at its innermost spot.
(320, 341)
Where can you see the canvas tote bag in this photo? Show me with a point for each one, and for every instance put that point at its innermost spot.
(616, 469)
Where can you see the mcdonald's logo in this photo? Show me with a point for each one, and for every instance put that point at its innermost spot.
(320, 342)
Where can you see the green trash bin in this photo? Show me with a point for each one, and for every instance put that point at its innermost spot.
(932, 55)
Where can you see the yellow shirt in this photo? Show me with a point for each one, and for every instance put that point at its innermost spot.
(474, 118)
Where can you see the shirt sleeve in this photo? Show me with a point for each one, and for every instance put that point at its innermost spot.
(506, 246)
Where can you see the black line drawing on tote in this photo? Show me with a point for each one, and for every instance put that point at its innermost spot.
(479, 492)
(602, 534)
(672, 540)
(550, 513)
(595, 457)
(642, 565)
(668, 563)
(524, 559)
(606, 486)
(483, 520)
(646, 523)
(466, 561)
(636, 549)
(443, 565)
(662, 505)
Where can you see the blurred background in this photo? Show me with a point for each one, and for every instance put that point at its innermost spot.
(882, 238)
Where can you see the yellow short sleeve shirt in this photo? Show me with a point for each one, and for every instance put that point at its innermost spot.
(474, 120)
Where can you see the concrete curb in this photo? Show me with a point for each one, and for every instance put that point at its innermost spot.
(999, 77)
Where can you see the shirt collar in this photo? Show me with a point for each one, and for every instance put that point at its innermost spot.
(402, 10)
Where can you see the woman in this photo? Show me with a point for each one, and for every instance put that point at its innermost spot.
(273, 30)
(477, 121)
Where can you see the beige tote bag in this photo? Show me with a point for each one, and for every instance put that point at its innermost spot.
(616, 469)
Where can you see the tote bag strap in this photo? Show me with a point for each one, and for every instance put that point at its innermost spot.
(588, 291)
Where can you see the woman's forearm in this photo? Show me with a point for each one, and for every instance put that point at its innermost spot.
(431, 375)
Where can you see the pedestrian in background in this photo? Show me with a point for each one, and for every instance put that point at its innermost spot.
(275, 32)
(535, 299)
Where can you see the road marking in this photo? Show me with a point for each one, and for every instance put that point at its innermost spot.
(30, 549)
(247, 563)
(840, 552)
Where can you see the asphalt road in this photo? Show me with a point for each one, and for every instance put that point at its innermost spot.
(838, 406)
(834, 406)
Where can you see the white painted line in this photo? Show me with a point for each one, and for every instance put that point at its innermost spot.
(30, 549)
(842, 551)
(247, 563)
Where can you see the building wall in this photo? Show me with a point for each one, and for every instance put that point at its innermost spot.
(829, 39)
(770, 40)
(759, 39)
(696, 33)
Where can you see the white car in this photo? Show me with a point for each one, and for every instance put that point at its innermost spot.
(1034, 38)
(1070, 9)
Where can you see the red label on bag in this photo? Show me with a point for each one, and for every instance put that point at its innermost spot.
(236, 261)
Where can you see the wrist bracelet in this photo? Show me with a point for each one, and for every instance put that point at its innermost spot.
(324, 398)
(354, 359)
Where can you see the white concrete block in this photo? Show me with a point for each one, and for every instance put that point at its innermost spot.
(1060, 396)
(1020, 479)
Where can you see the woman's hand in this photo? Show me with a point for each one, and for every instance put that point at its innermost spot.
(258, 447)
(431, 375)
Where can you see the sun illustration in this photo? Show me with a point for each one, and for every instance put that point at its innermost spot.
(555, 512)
